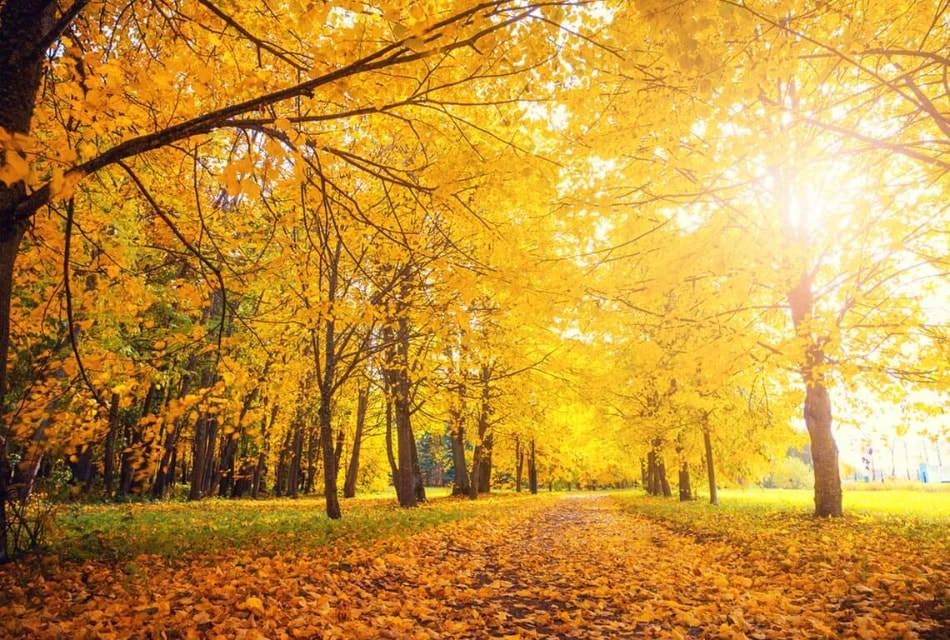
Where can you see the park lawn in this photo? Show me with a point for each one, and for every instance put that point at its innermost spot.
(918, 503)
(186, 529)
(909, 522)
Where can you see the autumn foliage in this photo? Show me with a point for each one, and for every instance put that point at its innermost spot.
(267, 250)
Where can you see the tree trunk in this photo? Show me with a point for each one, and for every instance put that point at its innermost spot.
(407, 480)
(664, 483)
(824, 451)
(353, 469)
(484, 474)
(710, 469)
(198, 457)
(390, 456)
(817, 412)
(329, 460)
(293, 474)
(519, 464)
(338, 449)
(461, 484)
(686, 491)
(23, 25)
(653, 479)
(532, 470)
(475, 477)
(261, 469)
(419, 486)
(314, 449)
(108, 456)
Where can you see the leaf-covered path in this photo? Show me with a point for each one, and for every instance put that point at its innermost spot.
(577, 567)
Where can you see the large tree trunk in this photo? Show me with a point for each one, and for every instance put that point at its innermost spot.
(817, 411)
(710, 468)
(23, 26)
(824, 451)
(352, 471)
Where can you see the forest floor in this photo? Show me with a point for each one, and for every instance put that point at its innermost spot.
(564, 566)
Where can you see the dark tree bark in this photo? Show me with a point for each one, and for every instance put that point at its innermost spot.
(390, 455)
(397, 374)
(280, 480)
(474, 477)
(653, 476)
(462, 484)
(353, 469)
(519, 464)
(24, 24)
(199, 447)
(338, 448)
(664, 482)
(419, 487)
(293, 473)
(314, 449)
(260, 469)
(108, 455)
(686, 491)
(329, 461)
(710, 468)
(532, 469)
(481, 472)
(484, 473)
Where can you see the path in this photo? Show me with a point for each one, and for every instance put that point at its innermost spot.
(575, 567)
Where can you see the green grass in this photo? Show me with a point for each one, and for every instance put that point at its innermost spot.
(897, 502)
(186, 529)
(919, 516)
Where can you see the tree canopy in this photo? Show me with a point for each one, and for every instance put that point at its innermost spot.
(248, 245)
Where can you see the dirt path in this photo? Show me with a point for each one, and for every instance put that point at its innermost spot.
(575, 567)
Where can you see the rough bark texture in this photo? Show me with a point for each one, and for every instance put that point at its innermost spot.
(824, 451)
(817, 411)
(23, 25)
